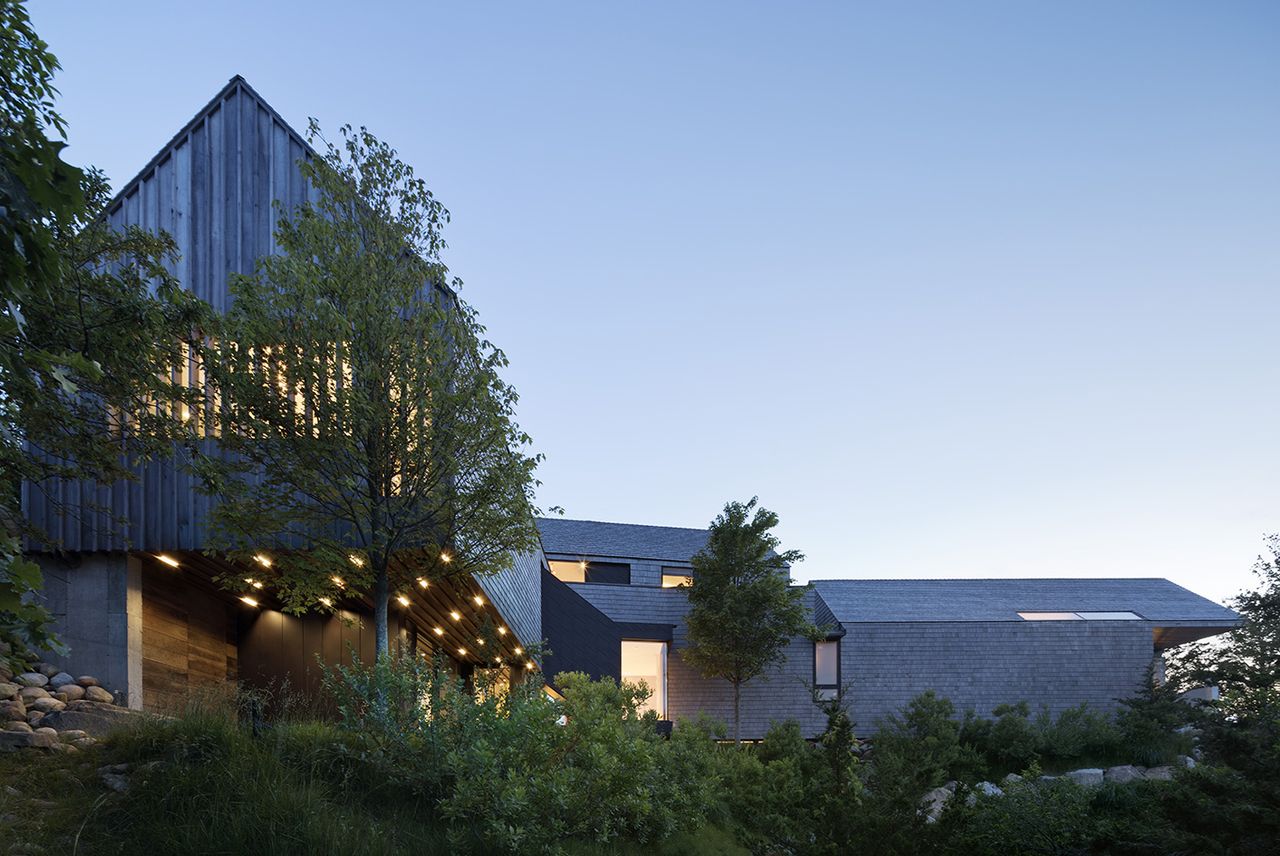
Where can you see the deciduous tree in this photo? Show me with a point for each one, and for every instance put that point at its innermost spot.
(743, 611)
(367, 437)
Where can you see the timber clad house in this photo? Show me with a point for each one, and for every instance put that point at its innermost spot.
(137, 605)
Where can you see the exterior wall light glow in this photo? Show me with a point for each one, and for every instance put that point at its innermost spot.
(519, 651)
(502, 631)
(262, 559)
(455, 615)
(439, 631)
(249, 600)
(446, 558)
(462, 652)
(326, 601)
(338, 581)
(479, 600)
(422, 581)
(356, 560)
(404, 601)
(168, 560)
(479, 641)
(255, 583)
(529, 665)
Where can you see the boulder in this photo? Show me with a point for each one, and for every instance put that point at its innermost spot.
(984, 788)
(46, 705)
(1186, 761)
(1160, 774)
(96, 722)
(61, 680)
(17, 725)
(46, 669)
(13, 709)
(1010, 779)
(70, 735)
(98, 694)
(46, 731)
(1088, 777)
(13, 740)
(934, 802)
(35, 716)
(87, 681)
(8, 690)
(32, 679)
(82, 743)
(30, 694)
(1122, 775)
(72, 692)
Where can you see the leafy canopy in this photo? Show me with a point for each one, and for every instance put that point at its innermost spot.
(366, 431)
(743, 610)
(91, 327)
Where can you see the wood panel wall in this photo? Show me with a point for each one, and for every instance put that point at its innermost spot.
(188, 640)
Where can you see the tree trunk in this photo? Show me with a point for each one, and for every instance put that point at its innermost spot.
(380, 597)
(737, 698)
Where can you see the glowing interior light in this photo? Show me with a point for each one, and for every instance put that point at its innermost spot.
(422, 581)
(168, 560)
(404, 601)
(186, 413)
(262, 559)
(455, 615)
(502, 631)
(326, 601)
(583, 564)
(439, 631)
(249, 600)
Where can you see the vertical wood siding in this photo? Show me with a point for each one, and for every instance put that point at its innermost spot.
(212, 188)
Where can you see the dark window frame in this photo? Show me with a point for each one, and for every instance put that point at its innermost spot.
(819, 690)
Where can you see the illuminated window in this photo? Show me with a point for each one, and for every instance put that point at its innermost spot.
(569, 572)
(610, 573)
(1049, 616)
(646, 663)
(674, 580)
(826, 669)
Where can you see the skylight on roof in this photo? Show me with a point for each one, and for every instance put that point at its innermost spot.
(1080, 616)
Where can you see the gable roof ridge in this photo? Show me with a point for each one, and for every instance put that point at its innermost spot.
(237, 82)
(619, 523)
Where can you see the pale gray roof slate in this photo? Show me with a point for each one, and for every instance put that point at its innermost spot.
(1154, 599)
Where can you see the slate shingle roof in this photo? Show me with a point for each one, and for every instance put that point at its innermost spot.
(1156, 600)
(619, 540)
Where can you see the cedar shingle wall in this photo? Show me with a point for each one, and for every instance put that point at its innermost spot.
(980, 665)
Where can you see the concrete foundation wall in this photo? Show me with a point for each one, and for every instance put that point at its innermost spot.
(96, 601)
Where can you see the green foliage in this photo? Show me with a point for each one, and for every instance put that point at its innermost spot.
(742, 609)
(91, 325)
(1032, 817)
(364, 413)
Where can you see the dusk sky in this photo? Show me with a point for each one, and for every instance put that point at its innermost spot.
(958, 289)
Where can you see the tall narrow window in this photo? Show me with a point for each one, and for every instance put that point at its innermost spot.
(646, 662)
(826, 669)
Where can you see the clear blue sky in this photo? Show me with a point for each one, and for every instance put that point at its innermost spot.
(959, 289)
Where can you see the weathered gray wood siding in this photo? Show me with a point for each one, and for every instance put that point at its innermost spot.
(517, 593)
(782, 693)
(981, 664)
(212, 188)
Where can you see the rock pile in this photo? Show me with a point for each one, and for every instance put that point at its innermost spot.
(935, 801)
(47, 708)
